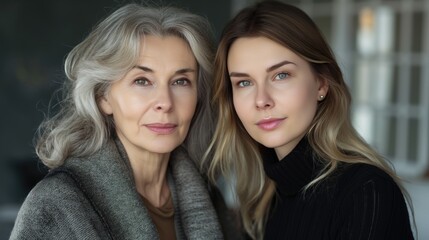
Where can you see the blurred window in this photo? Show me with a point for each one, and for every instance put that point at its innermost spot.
(382, 47)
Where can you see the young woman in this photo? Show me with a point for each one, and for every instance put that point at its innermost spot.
(285, 138)
(138, 84)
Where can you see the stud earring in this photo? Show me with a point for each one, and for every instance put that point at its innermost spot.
(321, 97)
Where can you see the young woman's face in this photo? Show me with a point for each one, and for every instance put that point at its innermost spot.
(153, 104)
(275, 92)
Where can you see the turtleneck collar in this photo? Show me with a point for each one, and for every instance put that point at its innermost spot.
(294, 171)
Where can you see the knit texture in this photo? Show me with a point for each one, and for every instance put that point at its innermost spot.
(96, 198)
(358, 201)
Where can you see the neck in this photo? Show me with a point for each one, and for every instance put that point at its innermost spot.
(150, 176)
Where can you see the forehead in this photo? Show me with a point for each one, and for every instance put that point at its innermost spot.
(248, 52)
(169, 47)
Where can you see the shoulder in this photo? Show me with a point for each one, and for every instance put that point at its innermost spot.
(49, 194)
(52, 208)
(370, 203)
(359, 175)
(364, 182)
(51, 191)
(359, 183)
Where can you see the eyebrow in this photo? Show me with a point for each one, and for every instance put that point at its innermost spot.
(272, 68)
(280, 64)
(180, 71)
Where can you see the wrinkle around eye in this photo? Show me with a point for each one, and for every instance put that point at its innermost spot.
(142, 82)
(186, 82)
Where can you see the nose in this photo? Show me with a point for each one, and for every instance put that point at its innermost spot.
(163, 100)
(263, 99)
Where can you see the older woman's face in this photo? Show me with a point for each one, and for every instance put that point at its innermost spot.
(153, 104)
(275, 92)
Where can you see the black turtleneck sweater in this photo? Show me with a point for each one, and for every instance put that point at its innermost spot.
(358, 201)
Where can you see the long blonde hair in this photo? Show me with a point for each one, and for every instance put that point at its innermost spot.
(234, 154)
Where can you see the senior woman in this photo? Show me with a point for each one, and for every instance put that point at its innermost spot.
(121, 150)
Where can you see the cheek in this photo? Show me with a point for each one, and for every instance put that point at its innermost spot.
(304, 102)
(241, 107)
(186, 105)
(129, 106)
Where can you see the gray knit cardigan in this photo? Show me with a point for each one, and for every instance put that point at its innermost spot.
(96, 198)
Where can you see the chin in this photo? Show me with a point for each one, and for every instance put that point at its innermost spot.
(162, 150)
(271, 143)
(163, 147)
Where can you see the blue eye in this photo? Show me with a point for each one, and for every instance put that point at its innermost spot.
(142, 82)
(182, 82)
(244, 83)
(281, 76)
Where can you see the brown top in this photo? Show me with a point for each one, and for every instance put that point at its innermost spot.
(163, 218)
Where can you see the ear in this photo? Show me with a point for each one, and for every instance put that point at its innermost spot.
(323, 88)
(105, 105)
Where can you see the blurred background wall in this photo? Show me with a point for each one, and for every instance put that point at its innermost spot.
(382, 47)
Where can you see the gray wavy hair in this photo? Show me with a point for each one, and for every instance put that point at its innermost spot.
(107, 54)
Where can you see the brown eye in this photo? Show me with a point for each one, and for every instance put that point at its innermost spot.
(142, 82)
(182, 82)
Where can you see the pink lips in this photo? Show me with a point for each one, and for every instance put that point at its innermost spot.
(270, 124)
(161, 128)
